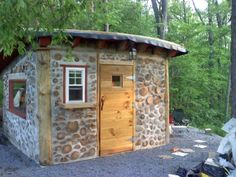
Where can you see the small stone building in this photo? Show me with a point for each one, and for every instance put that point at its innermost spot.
(99, 94)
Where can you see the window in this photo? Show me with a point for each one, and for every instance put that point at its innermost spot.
(117, 81)
(75, 85)
(17, 97)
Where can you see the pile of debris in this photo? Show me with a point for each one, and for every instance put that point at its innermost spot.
(220, 164)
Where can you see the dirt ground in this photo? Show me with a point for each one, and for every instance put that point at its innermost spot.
(143, 163)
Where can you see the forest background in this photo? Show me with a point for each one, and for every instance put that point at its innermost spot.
(199, 81)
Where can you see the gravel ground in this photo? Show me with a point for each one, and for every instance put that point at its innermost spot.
(142, 163)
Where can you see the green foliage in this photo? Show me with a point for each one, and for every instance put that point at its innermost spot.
(198, 81)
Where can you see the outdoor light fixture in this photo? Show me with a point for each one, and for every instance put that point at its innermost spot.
(132, 53)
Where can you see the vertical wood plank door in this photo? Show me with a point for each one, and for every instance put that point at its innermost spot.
(116, 108)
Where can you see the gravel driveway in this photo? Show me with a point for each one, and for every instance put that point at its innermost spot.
(143, 163)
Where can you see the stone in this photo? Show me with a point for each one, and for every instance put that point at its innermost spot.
(91, 59)
(55, 93)
(72, 127)
(58, 148)
(149, 100)
(156, 100)
(61, 135)
(142, 116)
(143, 91)
(138, 143)
(55, 80)
(77, 146)
(145, 143)
(140, 79)
(74, 155)
(66, 149)
(76, 136)
(64, 159)
(151, 142)
(91, 152)
(83, 131)
(84, 142)
(139, 128)
(76, 59)
(148, 77)
(83, 149)
(161, 110)
(58, 56)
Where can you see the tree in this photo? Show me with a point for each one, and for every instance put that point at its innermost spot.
(198, 81)
(233, 59)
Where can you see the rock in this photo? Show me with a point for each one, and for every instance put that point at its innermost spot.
(142, 116)
(83, 149)
(149, 100)
(76, 136)
(83, 131)
(90, 153)
(61, 135)
(55, 80)
(91, 59)
(84, 142)
(75, 155)
(66, 149)
(143, 91)
(55, 93)
(64, 159)
(139, 128)
(58, 56)
(161, 110)
(138, 143)
(145, 143)
(72, 127)
(148, 77)
(156, 100)
(77, 146)
(76, 59)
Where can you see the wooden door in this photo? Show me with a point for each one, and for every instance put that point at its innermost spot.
(116, 108)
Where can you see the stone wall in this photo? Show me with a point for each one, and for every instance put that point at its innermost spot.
(150, 103)
(23, 133)
(74, 131)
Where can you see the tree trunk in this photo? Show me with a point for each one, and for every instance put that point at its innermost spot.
(233, 59)
(164, 19)
(156, 11)
(160, 12)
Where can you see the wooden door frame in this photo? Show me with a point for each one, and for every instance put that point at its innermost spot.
(113, 62)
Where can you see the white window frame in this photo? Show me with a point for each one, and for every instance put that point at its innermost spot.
(68, 69)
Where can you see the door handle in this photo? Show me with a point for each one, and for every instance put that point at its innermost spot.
(102, 102)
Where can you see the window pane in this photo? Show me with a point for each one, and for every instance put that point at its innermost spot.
(117, 81)
(75, 93)
(78, 81)
(71, 73)
(78, 73)
(18, 96)
(72, 81)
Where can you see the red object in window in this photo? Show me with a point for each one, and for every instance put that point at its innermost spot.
(11, 98)
(171, 119)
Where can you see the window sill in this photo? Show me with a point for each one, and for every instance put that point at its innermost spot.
(77, 105)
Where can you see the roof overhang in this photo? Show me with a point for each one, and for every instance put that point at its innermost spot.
(125, 40)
